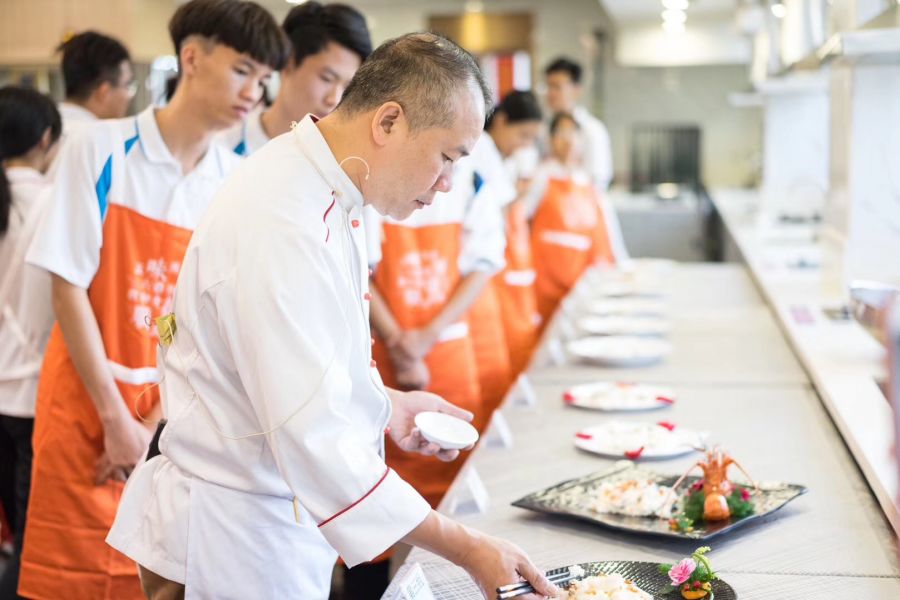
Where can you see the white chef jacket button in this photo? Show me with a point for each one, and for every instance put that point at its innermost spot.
(367, 296)
(372, 364)
(355, 223)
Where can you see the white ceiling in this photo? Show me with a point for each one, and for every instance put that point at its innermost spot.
(642, 10)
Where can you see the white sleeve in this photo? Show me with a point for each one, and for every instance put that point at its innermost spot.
(601, 166)
(69, 237)
(286, 327)
(535, 192)
(484, 233)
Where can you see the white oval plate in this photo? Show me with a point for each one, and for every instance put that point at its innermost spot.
(620, 289)
(629, 307)
(447, 432)
(618, 325)
(620, 351)
(619, 396)
(620, 439)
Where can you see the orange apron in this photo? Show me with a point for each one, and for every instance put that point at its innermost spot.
(492, 359)
(417, 275)
(515, 288)
(65, 555)
(568, 234)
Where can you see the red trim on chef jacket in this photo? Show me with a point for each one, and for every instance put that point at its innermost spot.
(369, 493)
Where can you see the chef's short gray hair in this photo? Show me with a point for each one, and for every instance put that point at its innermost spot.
(420, 71)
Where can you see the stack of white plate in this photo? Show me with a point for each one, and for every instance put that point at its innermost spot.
(620, 351)
(619, 325)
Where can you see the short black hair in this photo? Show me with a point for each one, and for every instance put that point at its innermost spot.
(559, 117)
(310, 26)
(25, 115)
(565, 65)
(419, 71)
(88, 60)
(518, 106)
(244, 26)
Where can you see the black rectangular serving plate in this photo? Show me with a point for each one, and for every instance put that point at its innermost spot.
(565, 499)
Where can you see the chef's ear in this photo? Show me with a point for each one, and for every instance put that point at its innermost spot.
(388, 121)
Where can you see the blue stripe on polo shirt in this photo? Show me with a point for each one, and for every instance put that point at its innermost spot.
(103, 185)
(241, 149)
(477, 181)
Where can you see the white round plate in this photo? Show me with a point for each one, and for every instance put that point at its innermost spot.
(619, 396)
(621, 289)
(447, 432)
(628, 307)
(620, 351)
(618, 325)
(620, 439)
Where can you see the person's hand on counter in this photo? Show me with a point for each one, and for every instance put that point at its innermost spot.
(489, 561)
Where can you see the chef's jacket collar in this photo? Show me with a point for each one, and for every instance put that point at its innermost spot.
(317, 151)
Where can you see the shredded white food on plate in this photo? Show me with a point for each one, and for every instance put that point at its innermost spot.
(606, 587)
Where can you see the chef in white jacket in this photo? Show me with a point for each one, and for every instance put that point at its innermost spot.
(272, 459)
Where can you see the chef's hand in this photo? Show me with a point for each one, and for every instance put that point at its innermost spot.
(403, 428)
(125, 442)
(493, 562)
(412, 376)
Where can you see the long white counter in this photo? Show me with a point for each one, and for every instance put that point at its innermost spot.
(736, 378)
(843, 362)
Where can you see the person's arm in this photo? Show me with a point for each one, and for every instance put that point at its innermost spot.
(410, 372)
(415, 344)
(491, 562)
(124, 439)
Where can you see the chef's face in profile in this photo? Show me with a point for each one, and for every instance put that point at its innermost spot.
(416, 164)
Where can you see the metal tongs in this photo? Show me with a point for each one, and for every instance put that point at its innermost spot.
(558, 577)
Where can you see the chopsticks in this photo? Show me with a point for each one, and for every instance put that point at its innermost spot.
(557, 577)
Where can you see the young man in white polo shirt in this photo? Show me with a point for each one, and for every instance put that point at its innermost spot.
(328, 43)
(128, 194)
(564, 91)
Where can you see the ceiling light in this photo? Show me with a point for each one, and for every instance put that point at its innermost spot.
(673, 27)
(295, 1)
(779, 10)
(474, 6)
(674, 16)
(677, 4)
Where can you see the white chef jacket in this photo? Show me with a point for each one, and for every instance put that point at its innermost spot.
(273, 336)
(553, 169)
(245, 137)
(26, 311)
(127, 163)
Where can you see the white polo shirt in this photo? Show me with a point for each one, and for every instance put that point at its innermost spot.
(26, 314)
(246, 137)
(123, 162)
(597, 148)
(272, 459)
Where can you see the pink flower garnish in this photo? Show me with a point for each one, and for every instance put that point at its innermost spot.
(667, 425)
(697, 486)
(745, 495)
(569, 398)
(681, 572)
(665, 400)
(584, 436)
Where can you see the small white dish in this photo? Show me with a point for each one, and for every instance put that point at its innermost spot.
(628, 307)
(610, 396)
(620, 351)
(620, 439)
(619, 325)
(447, 432)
